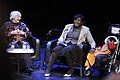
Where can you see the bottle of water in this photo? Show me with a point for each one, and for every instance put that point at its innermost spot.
(28, 46)
(24, 45)
(12, 45)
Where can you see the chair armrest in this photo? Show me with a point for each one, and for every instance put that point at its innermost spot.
(84, 49)
(51, 44)
(34, 43)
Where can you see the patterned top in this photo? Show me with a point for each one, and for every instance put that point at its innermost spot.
(9, 27)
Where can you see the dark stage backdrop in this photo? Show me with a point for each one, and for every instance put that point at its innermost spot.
(42, 16)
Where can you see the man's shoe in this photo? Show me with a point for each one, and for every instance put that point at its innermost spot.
(67, 75)
(34, 67)
(47, 74)
(29, 70)
(35, 58)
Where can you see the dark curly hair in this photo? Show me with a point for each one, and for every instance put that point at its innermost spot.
(79, 16)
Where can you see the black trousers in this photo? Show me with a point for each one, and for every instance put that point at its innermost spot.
(72, 53)
(25, 59)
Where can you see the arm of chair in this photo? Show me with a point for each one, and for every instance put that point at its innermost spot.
(51, 44)
(35, 44)
(84, 49)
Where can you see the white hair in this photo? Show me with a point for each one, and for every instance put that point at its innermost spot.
(14, 14)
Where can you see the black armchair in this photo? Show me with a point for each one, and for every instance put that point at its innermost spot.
(84, 48)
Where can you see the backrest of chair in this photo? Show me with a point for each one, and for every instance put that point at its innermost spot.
(53, 34)
(114, 29)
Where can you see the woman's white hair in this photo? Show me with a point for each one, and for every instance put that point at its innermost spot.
(14, 14)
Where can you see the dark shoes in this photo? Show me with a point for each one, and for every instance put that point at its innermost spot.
(29, 70)
(69, 73)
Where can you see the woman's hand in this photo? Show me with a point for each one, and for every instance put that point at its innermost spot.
(19, 32)
(92, 50)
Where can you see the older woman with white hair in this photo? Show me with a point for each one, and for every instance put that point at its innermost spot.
(17, 31)
(15, 16)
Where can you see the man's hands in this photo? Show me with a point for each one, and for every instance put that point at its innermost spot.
(18, 35)
(92, 50)
(19, 32)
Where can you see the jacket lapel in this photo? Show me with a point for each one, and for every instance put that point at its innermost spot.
(81, 34)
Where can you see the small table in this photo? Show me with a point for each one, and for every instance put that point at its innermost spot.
(20, 51)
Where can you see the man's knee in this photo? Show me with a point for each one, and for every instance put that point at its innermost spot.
(54, 54)
(66, 51)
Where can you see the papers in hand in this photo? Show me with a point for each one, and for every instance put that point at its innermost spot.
(62, 43)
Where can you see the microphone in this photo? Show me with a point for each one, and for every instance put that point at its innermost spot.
(57, 29)
(49, 32)
(52, 30)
